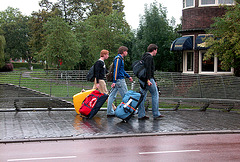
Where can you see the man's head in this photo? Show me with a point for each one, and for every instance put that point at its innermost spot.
(123, 50)
(104, 54)
(152, 48)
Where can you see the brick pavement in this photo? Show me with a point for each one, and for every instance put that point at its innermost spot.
(24, 126)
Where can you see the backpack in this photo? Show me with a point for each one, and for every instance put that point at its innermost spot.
(90, 75)
(109, 75)
(139, 70)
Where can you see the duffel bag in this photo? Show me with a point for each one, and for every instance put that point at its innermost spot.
(92, 103)
(129, 104)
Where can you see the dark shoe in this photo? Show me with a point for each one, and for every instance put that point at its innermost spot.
(109, 116)
(161, 116)
(144, 118)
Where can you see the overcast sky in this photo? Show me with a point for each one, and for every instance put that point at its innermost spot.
(133, 8)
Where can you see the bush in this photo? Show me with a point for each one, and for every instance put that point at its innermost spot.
(20, 65)
(7, 67)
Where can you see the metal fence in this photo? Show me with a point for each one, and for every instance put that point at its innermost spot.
(30, 89)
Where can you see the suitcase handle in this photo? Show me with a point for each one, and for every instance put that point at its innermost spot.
(110, 91)
(128, 103)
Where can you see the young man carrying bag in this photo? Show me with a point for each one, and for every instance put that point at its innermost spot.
(149, 85)
(119, 83)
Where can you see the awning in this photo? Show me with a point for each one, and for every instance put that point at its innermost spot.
(200, 42)
(182, 43)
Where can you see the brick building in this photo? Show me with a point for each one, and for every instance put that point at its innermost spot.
(197, 17)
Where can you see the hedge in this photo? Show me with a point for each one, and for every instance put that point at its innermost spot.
(25, 65)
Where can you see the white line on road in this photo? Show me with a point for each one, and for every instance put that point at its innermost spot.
(166, 152)
(44, 158)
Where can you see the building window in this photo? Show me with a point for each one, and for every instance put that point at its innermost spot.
(207, 2)
(188, 61)
(207, 65)
(211, 66)
(215, 2)
(225, 1)
(188, 3)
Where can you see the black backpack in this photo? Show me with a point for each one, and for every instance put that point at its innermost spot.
(139, 69)
(90, 75)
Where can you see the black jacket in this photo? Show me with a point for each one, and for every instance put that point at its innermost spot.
(99, 70)
(149, 65)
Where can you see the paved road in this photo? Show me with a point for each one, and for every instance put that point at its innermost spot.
(206, 147)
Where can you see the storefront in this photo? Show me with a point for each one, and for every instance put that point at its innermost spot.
(193, 49)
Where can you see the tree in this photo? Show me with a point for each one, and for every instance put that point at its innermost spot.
(105, 7)
(101, 7)
(16, 30)
(61, 46)
(36, 40)
(101, 32)
(118, 5)
(2, 45)
(71, 10)
(154, 28)
(225, 43)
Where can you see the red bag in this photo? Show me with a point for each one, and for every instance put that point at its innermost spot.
(92, 102)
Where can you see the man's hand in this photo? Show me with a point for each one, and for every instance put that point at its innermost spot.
(130, 79)
(113, 85)
(149, 83)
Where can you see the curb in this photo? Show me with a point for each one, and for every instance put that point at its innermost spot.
(85, 137)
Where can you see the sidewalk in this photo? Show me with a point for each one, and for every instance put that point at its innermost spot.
(54, 125)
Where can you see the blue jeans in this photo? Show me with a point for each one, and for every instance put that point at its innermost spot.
(120, 86)
(155, 99)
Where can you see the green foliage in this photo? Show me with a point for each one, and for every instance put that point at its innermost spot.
(101, 7)
(61, 44)
(36, 41)
(2, 56)
(105, 7)
(226, 41)
(101, 32)
(84, 29)
(154, 28)
(20, 65)
(15, 28)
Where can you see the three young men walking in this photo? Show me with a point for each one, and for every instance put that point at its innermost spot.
(119, 83)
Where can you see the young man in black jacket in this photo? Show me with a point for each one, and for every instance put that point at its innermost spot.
(100, 72)
(150, 85)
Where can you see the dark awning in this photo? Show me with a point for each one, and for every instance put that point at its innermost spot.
(200, 42)
(182, 43)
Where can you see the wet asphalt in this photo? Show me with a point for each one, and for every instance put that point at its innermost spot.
(57, 125)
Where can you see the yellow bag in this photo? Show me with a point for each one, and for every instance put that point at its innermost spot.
(78, 99)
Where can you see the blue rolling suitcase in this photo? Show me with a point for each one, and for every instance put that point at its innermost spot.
(128, 106)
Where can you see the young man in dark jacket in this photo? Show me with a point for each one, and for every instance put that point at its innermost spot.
(150, 85)
(100, 72)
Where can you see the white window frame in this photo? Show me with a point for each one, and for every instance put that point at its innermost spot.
(185, 70)
(215, 66)
(185, 57)
(184, 4)
(215, 4)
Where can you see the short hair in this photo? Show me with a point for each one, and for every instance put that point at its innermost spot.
(152, 47)
(122, 49)
(103, 52)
